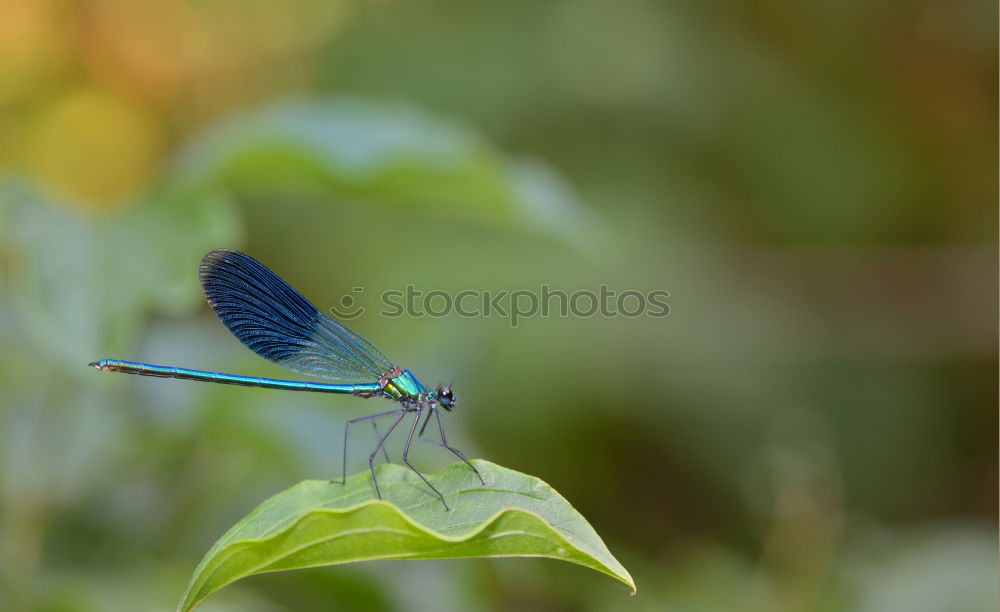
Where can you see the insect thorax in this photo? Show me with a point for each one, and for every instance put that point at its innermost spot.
(403, 386)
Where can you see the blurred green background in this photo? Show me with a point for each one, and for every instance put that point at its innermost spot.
(813, 427)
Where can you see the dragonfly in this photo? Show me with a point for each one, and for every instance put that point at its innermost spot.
(275, 321)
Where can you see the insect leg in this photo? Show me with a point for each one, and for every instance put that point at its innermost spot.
(347, 427)
(444, 442)
(378, 435)
(371, 457)
(406, 453)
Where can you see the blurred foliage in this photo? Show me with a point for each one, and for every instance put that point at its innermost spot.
(812, 428)
(390, 154)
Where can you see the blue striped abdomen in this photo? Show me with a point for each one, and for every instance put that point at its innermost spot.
(146, 369)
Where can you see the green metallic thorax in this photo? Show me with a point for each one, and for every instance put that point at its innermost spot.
(404, 386)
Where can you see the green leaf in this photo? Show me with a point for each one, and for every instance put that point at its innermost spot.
(389, 154)
(318, 522)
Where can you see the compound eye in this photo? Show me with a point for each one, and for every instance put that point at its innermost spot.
(445, 397)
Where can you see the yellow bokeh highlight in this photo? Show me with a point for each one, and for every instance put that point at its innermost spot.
(142, 47)
(94, 149)
(34, 45)
(93, 93)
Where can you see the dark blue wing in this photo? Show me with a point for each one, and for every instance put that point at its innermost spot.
(275, 321)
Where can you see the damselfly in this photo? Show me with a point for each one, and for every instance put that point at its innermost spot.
(275, 321)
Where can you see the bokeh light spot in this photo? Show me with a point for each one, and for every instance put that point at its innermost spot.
(95, 149)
